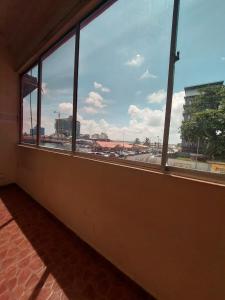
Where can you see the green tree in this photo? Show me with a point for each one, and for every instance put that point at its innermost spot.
(207, 121)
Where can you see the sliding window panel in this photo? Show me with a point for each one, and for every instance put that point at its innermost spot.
(29, 106)
(57, 97)
(197, 132)
(122, 82)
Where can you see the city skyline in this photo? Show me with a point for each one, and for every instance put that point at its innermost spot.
(134, 104)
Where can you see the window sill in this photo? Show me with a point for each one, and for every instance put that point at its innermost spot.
(193, 175)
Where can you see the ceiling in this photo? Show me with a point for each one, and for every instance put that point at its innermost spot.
(26, 24)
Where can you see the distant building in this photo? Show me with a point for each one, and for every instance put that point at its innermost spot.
(190, 93)
(102, 136)
(85, 136)
(78, 129)
(33, 131)
(64, 126)
(105, 145)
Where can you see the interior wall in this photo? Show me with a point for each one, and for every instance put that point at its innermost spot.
(165, 232)
(9, 95)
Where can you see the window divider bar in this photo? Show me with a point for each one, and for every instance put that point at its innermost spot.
(173, 58)
(39, 102)
(20, 117)
(75, 87)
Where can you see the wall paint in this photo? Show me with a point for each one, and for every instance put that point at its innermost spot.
(166, 233)
(9, 91)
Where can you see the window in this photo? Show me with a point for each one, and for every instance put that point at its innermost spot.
(123, 80)
(106, 88)
(29, 106)
(197, 131)
(57, 97)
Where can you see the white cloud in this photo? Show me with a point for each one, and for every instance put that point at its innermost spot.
(90, 110)
(147, 116)
(44, 89)
(147, 75)
(157, 97)
(176, 117)
(136, 61)
(143, 122)
(66, 107)
(99, 86)
(48, 124)
(95, 99)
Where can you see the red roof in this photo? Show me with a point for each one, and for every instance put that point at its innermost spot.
(112, 145)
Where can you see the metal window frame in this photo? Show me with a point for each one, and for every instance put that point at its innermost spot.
(39, 103)
(75, 30)
(21, 109)
(170, 83)
(75, 87)
(33, 65)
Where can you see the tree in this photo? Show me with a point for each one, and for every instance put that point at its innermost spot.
(147, 142)
(207, 121)
(137, 141)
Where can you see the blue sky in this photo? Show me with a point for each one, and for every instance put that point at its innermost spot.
(123, 67)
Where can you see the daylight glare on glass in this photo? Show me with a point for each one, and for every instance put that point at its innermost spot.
(123, 80)
(29, 106)
(56, 97)
(116, 105)
(197, 130)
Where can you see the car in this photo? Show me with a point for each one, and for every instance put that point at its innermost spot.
(123, 154)
(113, 154)
(131, 153)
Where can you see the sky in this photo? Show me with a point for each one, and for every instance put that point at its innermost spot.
(123, 67)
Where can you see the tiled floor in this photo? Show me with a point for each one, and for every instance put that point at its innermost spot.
(41, 259)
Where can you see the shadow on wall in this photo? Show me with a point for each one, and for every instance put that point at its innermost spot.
(48, 259)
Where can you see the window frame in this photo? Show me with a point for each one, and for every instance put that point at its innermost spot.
(173, 57)
(33, 65)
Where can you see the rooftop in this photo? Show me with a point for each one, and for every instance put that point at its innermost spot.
(203, 85)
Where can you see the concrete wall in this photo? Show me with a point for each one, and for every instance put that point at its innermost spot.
(9, 91)
(165, 232)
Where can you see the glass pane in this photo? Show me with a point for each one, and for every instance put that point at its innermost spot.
(29, 94)
(57, 97)
(197, 133)
(123, 70)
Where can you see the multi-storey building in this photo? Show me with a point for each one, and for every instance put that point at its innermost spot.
(190, 93)
(33, 131)
(64, 126)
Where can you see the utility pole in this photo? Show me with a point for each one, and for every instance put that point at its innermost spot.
(196, 159)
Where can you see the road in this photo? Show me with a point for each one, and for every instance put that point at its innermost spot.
(180, 163)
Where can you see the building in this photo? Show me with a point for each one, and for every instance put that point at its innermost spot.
(101, 136)
(108, 145)
(64, 126)
(190, 93)
(33, 131)
(72, 223)
(78, 129)
(85, 136)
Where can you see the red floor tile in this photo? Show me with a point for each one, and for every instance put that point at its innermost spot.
(41, 259)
